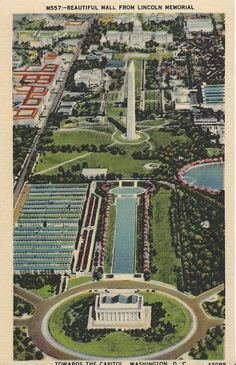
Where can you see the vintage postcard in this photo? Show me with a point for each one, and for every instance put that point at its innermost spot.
(117, 157)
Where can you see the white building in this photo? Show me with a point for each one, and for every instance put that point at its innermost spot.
(165, 17)
(184, 98)
(204, 25)
(124, 18)
(66, 107)
(137, 38)
(163, 37)
(76, 26)
(92, 78)
(39, 42)
(54, 22)
(121, 311)
(94, 172)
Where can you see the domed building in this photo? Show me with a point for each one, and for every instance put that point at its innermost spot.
(137, 38)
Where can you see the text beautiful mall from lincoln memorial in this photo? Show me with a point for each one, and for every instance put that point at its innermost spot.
(132, 7)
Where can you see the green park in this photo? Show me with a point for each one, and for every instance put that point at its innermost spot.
(171, 322)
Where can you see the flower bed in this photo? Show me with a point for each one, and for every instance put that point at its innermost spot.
(145, 233)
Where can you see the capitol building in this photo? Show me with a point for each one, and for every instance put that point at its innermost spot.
(119, 311)
(137, 38)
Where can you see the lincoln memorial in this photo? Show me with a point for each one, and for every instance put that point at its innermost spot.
(121, 311)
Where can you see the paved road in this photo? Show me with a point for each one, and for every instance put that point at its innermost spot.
(34, 324)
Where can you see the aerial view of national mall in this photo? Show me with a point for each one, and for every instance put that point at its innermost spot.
(118, 165)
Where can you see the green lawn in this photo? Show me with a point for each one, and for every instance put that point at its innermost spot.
(73, 32)
(110, 238)
(82, 137)
(115, 111)
(218, 354)
(46, 291)
(121, 343)
(78, 281)
(62, 33)
(164, 55)
(113, 95)
(119, 56)
(165, 259)
(126, 166)
(151, 105)
(72, 124)
(159, 138)
(34, 25)
(151, 94)
(138, 67)
(215, 151)
(46, 33)
(134, 55)
(51, 159)
(147, 122)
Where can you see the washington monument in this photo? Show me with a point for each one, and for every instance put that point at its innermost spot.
(130, 122)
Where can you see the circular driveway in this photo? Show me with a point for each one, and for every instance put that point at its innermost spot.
(38, 328)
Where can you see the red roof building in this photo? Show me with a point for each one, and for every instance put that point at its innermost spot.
(32, 92)
(26, 116)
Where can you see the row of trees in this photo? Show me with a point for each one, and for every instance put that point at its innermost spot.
(151, 75)
(23, 137)
(114, 150)
(36, 281)
(67, 176)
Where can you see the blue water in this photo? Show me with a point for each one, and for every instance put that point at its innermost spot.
(124, 249)
(127, 190)
(208, 175)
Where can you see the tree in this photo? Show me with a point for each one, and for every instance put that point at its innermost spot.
(147, 276)
(38, 355)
